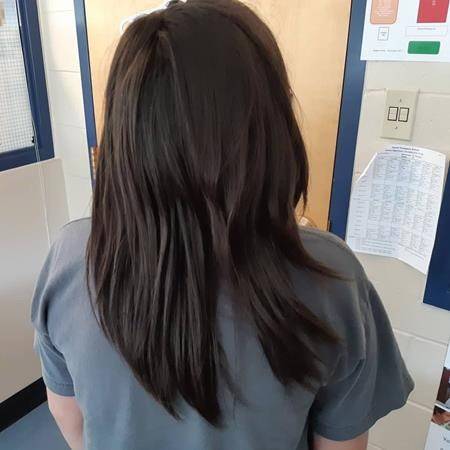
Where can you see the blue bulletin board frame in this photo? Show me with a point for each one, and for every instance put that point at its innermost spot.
(437, 292)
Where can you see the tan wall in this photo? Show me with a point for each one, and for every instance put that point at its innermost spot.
(35, 199)
(313, 38)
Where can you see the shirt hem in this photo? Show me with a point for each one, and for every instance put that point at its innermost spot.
(65, 390)
(353, 431)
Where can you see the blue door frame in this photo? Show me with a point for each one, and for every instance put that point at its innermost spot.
(86, 80)
(352, 93)
(350, 108)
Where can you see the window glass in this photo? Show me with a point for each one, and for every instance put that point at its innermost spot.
(16, 127)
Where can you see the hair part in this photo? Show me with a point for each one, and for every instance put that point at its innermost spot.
(201, 166)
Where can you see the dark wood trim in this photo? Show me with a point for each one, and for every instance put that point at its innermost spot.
(20, 404)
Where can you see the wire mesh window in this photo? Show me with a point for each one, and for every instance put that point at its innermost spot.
(16, 127)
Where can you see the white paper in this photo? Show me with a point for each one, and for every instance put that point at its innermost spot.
(438, 438)
(395, 205)
(439, 434)
(390, 41)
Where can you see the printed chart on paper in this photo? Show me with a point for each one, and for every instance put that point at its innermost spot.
(395, 205)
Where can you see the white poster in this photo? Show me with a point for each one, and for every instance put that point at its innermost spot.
(439, 434)
(406, 30)
(395, 205)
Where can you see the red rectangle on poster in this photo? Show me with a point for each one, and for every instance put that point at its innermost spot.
(433, 11)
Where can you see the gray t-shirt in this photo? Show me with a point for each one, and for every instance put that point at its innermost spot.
(366, 380)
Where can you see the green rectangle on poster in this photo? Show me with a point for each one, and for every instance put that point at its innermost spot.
(424, 47)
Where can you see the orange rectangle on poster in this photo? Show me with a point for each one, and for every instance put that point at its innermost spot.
(384, 12)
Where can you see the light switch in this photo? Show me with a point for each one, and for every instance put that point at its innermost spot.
(404, 115)
(400, 111)
(393, 114)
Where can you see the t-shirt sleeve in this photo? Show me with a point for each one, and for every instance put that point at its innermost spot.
(54, 368)
(370, 381)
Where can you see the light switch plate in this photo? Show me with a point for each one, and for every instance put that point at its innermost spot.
(399, 114)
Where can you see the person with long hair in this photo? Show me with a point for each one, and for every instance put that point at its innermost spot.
(191, 312)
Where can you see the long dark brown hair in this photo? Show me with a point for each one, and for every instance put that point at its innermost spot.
(201, 166)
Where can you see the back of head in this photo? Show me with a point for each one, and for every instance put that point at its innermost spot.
(201, 166)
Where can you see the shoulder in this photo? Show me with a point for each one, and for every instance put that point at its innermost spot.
(331, 251)
(75, 234)
(342, 301)
(69, 247)
(62, 275)
(68, 251)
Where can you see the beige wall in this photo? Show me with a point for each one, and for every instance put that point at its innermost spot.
(34, 198)
(422, 331)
